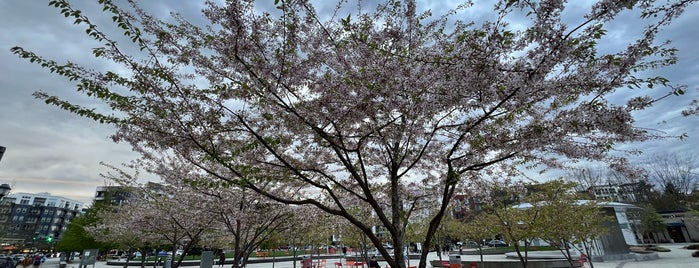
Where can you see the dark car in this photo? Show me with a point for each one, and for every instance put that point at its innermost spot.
(7, 262)
(496, 243)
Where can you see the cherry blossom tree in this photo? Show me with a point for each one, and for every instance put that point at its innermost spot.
(124, 227)
(176, 217)
(247, 219)
(386, 102)
(230, 216)
(169, 214)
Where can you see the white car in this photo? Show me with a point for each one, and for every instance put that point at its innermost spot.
(496, 243)
(178, 252)
(378, 253)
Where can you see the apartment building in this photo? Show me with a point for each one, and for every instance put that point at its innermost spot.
(30, 217)
(625, 193)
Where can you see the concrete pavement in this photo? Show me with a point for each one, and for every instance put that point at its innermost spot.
(678, 257)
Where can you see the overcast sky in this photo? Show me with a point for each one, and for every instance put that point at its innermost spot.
(50, 150)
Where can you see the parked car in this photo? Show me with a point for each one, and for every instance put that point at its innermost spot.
(469, 244)
(178, 252)
(17, 257)
(7, 262)
(496, 243)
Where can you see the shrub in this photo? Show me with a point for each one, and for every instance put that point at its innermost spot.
(657, 248)
(693, 246)
(695, 254)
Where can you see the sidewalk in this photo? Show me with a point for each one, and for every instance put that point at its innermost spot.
(676, 258)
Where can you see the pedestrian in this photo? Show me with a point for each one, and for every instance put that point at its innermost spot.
(344, 251)
(37, 261)
(373, 263)
(27, 261)
(221, 258)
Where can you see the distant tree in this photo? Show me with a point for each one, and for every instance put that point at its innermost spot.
(621, 178)
(359, 241)
(645, 193)
(516, 223)
(672, 170)
(246, 219)
(670, 199)
(650, 222)
(586, 178)
(77, 239)
(123, 228)
(385, 103)
(566, 217)
(693, 201)
(301, 226)
(478, 229)
(552, 211)
(170, 215)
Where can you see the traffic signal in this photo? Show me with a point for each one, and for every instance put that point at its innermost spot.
(49, 238)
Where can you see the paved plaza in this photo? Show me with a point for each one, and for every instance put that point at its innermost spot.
(678, 257)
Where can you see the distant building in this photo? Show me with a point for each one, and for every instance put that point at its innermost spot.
(32, 218)
(115, 195)
(626, 193)
(680, 228)
(465, 207)
(120, 195)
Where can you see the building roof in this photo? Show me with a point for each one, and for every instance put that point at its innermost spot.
(45, 199)
(582, 202)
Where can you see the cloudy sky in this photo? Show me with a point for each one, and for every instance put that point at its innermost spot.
(50, 150)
